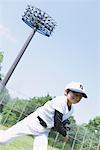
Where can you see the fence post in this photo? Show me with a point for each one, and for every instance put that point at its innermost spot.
(75, 139)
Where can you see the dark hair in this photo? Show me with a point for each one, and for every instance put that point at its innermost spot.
(68, 90)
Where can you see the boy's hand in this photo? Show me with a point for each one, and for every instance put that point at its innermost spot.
(66, 138)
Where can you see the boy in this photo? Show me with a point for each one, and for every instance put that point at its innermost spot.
(51, 115)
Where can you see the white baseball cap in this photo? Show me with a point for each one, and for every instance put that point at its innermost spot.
(76, 87)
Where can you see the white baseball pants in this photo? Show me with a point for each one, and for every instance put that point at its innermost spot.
(28, 126)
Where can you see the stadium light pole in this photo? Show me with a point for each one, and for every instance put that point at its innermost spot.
(39, 21)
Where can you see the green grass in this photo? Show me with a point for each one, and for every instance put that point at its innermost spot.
(22, 143)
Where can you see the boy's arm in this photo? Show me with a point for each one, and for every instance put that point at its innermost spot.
(58, 125)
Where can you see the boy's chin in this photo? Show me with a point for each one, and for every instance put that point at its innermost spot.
(74, 102)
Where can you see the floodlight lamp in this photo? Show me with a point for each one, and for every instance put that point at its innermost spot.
(36, 18)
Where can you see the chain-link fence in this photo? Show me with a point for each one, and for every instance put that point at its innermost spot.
(80, 138)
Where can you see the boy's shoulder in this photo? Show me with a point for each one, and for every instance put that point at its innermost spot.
(61, 99)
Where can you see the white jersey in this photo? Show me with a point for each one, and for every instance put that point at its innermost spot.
(46, 112)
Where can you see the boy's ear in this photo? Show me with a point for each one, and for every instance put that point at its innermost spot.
(65, 92)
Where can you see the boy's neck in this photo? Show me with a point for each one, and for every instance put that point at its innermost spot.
(68, 103)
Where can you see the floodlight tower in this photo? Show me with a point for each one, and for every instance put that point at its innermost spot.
(39, 21)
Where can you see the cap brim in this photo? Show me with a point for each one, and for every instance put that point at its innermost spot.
(78, 91)
(84, 95)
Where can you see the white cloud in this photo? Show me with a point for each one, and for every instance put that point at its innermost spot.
(6, 33)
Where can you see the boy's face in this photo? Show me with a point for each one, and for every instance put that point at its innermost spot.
(74, 97)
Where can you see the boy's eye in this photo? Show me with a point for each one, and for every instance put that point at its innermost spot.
(77, 94)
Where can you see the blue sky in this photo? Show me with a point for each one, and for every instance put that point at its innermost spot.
(71, 53)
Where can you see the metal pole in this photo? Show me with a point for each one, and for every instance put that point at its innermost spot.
(98, 144)
(38, 21)
(12, 68)
(83, 139)
(91, 141)
(75, 139)
(55, 140)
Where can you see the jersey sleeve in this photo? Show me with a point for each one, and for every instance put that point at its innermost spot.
(58, 125)
(59, 105)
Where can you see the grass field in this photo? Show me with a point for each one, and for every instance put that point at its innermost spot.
(22, 143)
